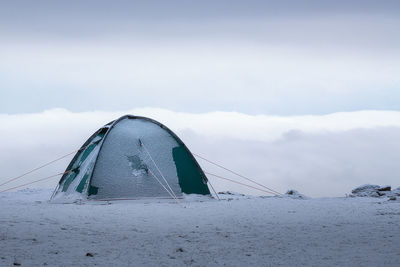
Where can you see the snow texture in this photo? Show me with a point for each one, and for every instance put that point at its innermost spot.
(239, 230)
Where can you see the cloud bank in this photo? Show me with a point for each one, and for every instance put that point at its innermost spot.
(317, 155)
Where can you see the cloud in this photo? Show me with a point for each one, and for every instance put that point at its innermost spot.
(317, 155)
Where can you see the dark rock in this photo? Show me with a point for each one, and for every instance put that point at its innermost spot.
(385, 188)
(295, 194)
(379, 193)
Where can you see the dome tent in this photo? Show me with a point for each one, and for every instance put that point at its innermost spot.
(133, 157)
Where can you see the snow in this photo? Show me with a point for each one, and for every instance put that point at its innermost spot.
(239, 230)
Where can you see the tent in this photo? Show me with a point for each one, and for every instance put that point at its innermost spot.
(133, 157)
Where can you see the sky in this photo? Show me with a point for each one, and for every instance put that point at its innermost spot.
(255, 57)
(276, 84)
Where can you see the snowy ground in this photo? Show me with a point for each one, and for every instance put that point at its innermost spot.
(237, 232)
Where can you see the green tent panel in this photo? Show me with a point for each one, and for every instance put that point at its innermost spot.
(133, 157)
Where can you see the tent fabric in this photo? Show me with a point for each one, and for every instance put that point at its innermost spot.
(121, 159)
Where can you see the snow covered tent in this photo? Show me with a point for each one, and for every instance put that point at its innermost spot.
(133, 157)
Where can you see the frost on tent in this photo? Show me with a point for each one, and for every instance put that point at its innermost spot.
(133, 157)
(80, 169)
(123, 166)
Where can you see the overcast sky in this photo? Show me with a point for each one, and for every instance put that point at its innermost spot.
(256, 57)
(280, 73)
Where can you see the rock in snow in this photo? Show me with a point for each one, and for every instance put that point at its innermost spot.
(295, 194)
(370, 190)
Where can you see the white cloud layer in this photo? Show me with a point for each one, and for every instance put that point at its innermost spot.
(317, 155)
